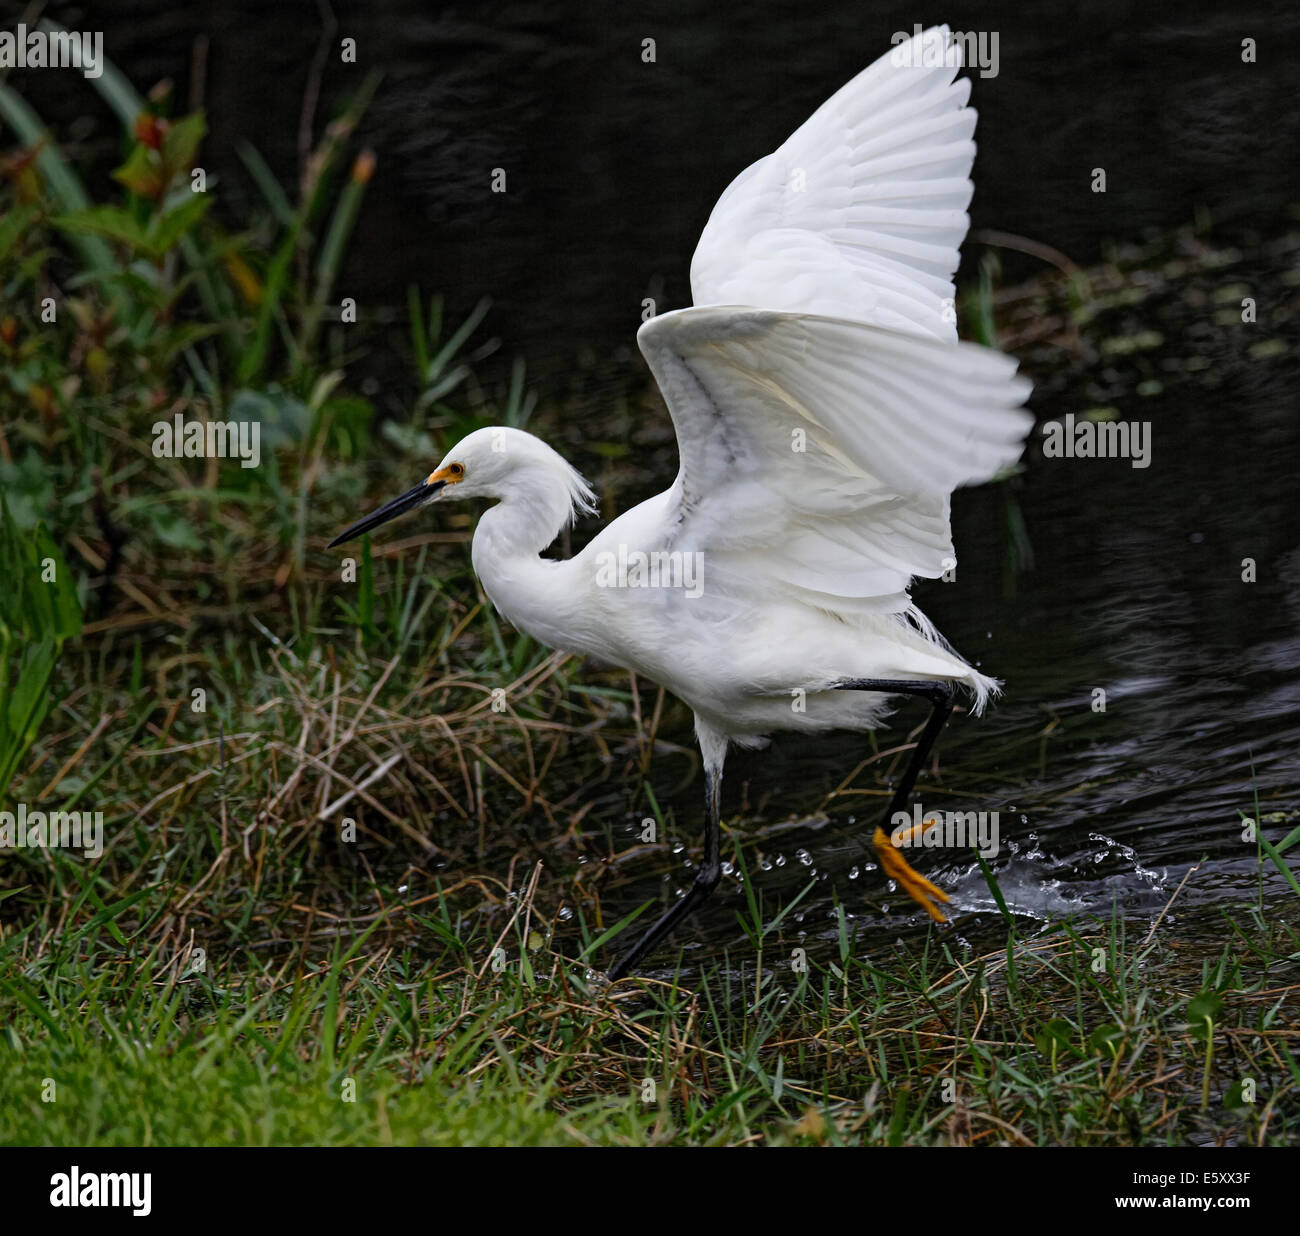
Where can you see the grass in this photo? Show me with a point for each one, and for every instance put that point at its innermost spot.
(364, 843)
(384, 1041)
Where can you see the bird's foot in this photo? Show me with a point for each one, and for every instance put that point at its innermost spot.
(912, 882)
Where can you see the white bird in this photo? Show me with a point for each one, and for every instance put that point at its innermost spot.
(824, 411)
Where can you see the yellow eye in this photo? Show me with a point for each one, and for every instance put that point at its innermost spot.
(456, 471)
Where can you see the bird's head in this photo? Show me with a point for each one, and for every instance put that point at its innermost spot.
(500, 463)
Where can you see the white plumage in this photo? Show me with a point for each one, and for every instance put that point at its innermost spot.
(861, 212)
(824, 412)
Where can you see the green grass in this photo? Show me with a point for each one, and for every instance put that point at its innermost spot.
(380, 1040)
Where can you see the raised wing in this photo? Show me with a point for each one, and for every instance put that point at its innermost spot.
(818, 454)
(823, 406)
(861, 212)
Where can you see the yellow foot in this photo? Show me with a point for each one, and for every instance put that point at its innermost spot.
(913, 883)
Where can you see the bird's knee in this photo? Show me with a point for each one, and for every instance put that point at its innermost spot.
(708, 877)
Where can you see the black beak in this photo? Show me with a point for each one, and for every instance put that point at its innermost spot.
(412, 498)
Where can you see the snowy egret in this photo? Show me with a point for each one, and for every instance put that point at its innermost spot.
(824, 412)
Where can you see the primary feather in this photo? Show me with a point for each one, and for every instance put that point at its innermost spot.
(861, 212)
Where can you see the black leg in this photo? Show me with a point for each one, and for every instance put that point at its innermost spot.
(705, 881)
(940, 695)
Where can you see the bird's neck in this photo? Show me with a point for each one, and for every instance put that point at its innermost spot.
(538, 595)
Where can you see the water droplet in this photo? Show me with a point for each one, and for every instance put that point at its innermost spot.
(804, 857)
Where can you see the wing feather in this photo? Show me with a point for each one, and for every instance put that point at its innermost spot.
(861, 212)
(824, 409)
(818, 454)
